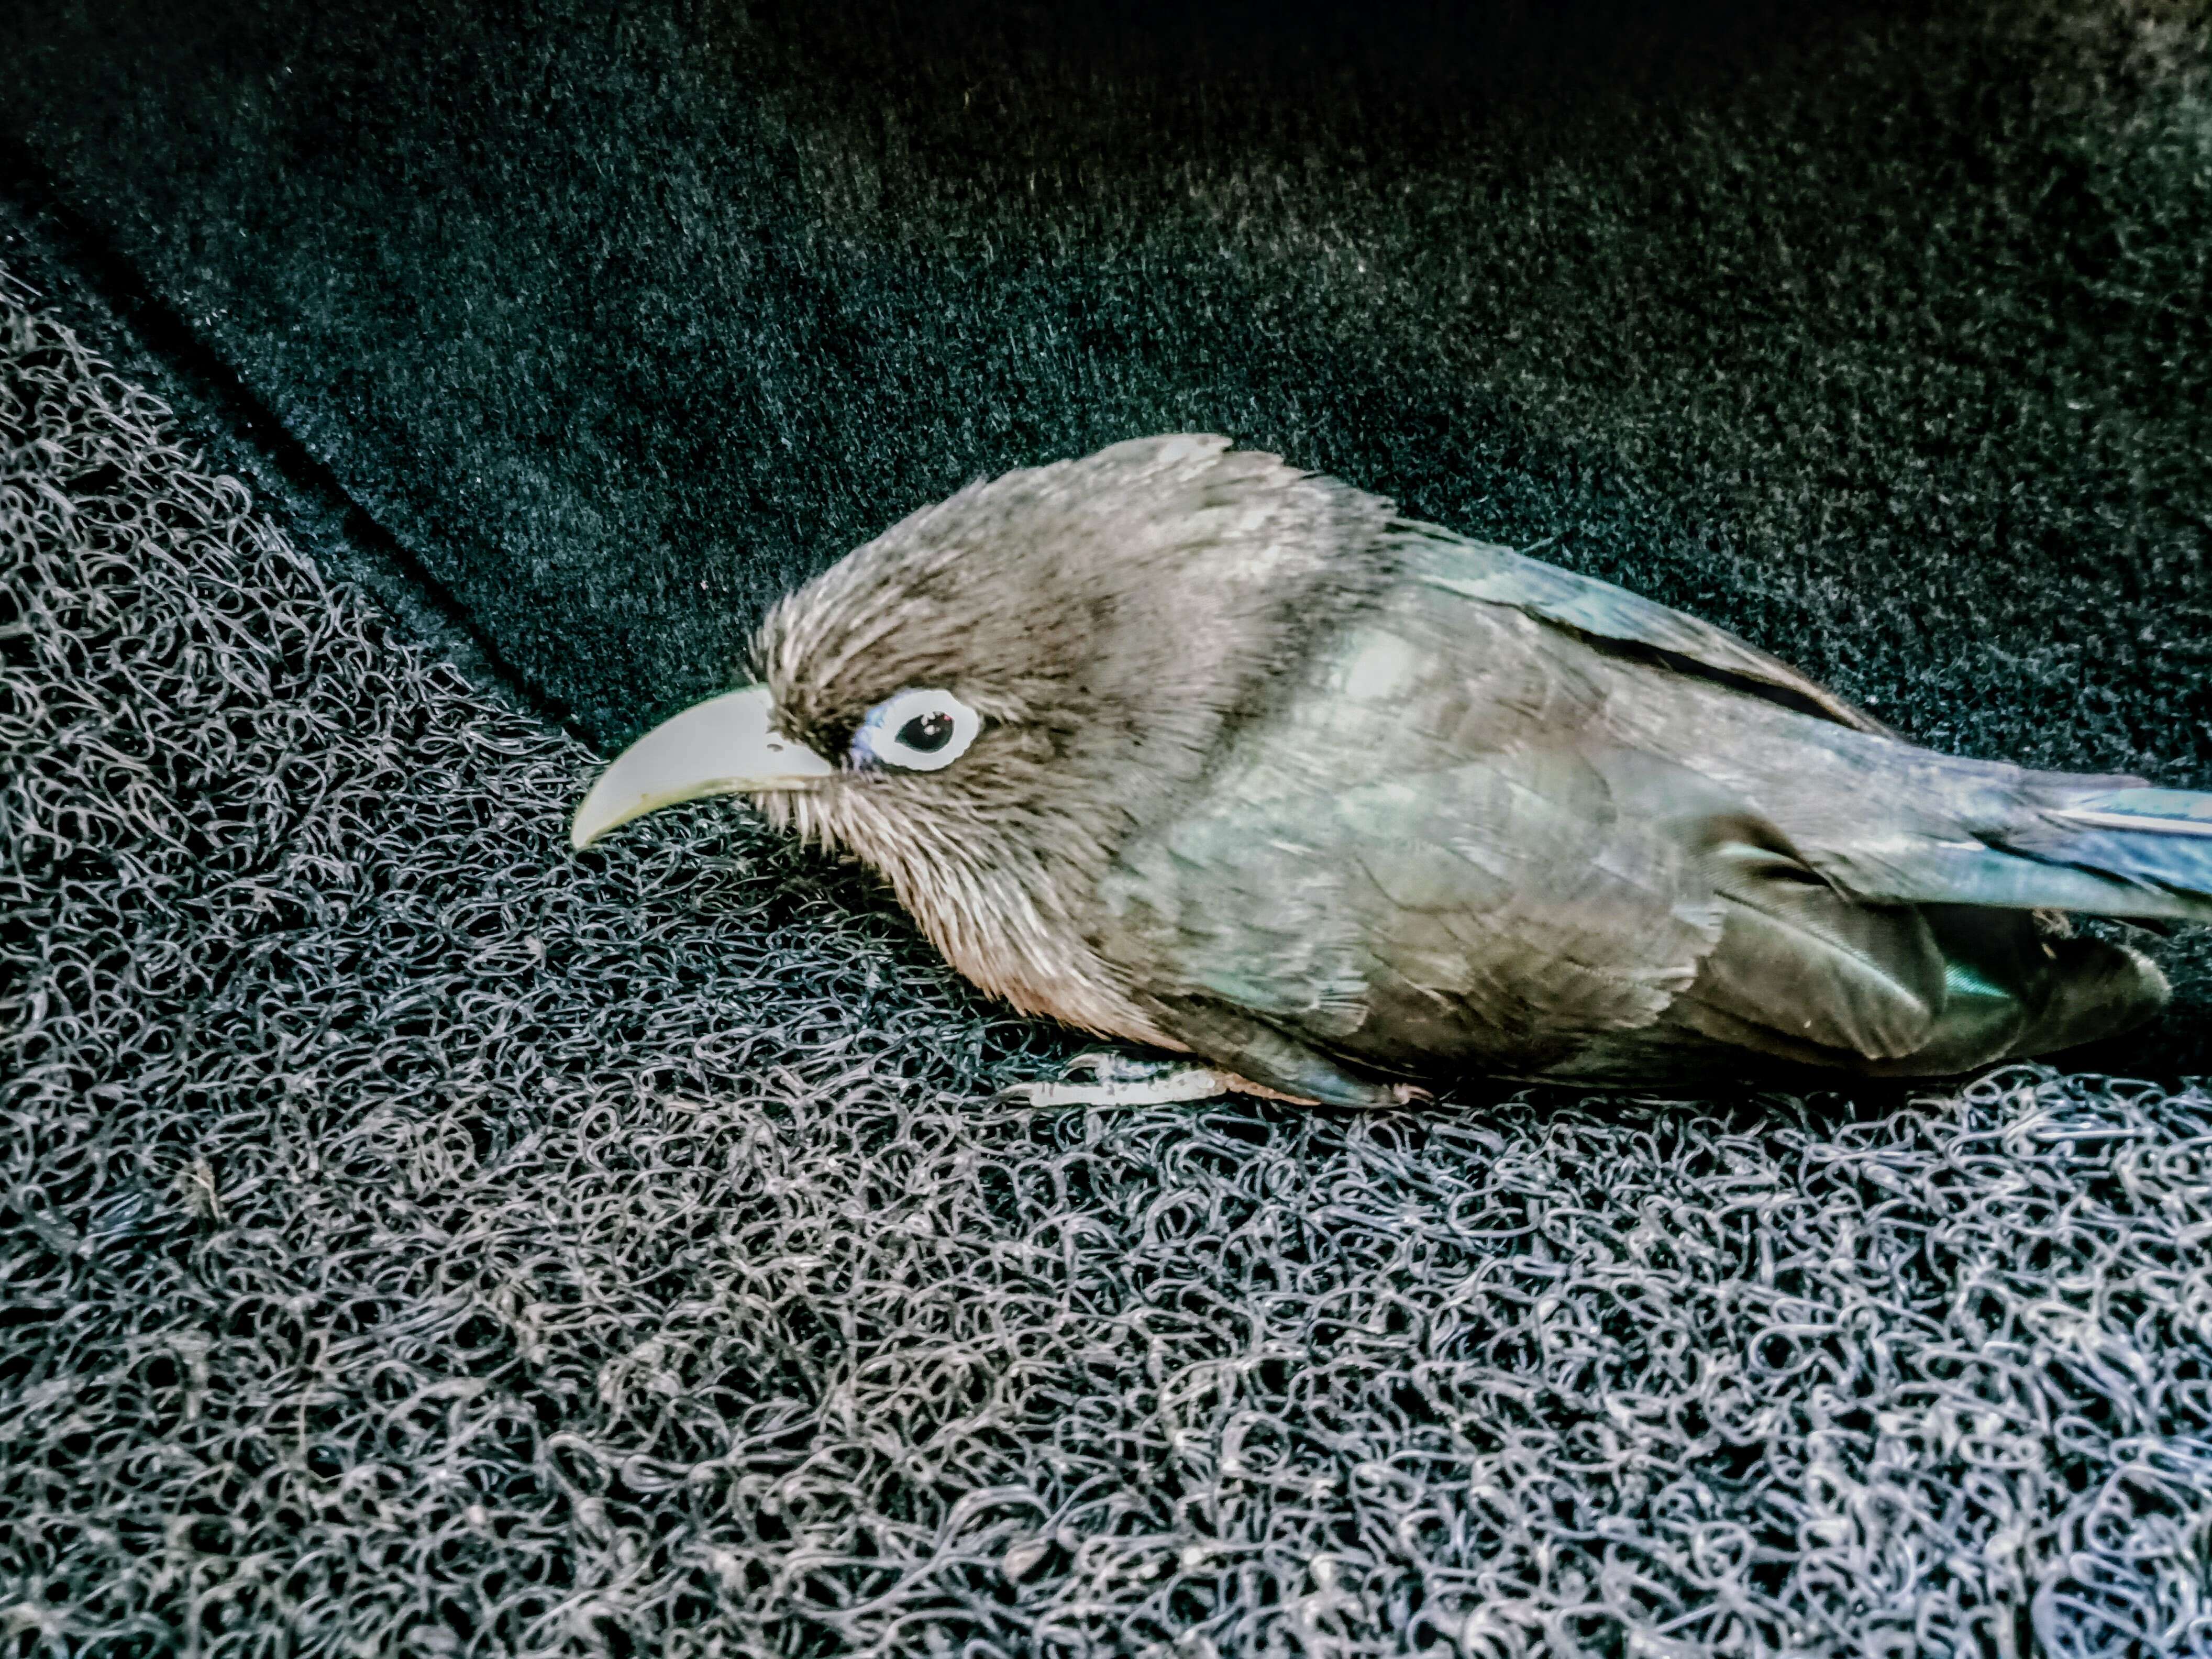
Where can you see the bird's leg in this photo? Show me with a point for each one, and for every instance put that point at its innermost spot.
(1293, 1072)
(1125, 1080)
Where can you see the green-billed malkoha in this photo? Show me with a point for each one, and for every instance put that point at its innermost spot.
(1182, 745)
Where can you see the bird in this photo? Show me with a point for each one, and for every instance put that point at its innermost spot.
(1189, 748)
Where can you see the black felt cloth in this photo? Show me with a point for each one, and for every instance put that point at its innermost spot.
(419, 1240)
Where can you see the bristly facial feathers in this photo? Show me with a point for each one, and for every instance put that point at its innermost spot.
(1112, 619)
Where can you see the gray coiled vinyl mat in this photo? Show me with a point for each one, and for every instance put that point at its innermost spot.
(419, 1240)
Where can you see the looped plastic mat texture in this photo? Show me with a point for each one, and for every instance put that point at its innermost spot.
(419, 1240)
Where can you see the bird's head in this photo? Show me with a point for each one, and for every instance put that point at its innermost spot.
(986, 700)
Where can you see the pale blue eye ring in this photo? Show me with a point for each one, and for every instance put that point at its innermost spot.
(923, 730)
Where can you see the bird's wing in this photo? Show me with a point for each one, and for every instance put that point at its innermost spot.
(1519, 821)
(1600, 612)
(1441, 854)
(1483, 913)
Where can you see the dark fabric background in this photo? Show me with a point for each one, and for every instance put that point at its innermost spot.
(1876, 333)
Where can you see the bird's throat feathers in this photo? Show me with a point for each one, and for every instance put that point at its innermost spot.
(1115, 620)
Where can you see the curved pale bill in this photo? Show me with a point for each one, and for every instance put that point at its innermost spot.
(726, 745)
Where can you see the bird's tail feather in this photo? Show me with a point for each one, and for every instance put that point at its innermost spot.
(2159, 841)
(2097, 846)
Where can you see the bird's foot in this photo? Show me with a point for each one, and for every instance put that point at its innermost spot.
(1124, 1080)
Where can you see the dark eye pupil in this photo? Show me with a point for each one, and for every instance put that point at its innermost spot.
(927, 734)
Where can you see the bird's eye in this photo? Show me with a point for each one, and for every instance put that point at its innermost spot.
(928, 733)
(919, 731)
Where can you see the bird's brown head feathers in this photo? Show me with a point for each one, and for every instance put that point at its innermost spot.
(1108, 621)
